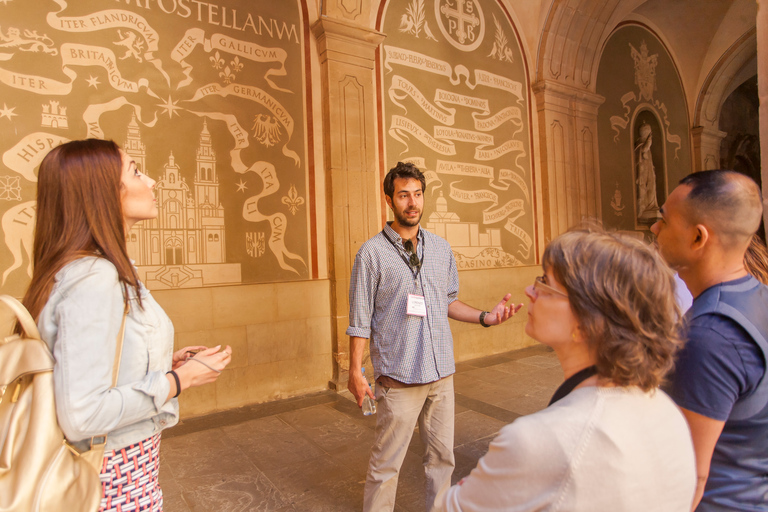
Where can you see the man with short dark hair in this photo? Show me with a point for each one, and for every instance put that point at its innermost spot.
(720, 378)
(403, 289)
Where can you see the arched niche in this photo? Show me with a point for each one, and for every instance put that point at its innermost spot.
(640, 82)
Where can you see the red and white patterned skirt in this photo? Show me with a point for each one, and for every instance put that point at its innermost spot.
(129, 478)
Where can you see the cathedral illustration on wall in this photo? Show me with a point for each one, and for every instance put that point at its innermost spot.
(185, 245)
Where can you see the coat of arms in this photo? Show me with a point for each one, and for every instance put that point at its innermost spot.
(645, 70)
(461, 22)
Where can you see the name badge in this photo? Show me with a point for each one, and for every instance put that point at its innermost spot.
(416, 305)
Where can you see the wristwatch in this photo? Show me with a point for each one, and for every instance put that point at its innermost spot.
(482, 318)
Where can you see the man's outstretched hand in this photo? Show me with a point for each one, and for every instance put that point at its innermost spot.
(503, 311)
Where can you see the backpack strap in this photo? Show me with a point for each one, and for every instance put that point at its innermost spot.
(22, 315)
(119, 349)
(100, 441)
(24, 353)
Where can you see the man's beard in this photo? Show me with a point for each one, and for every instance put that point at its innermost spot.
(404, 220)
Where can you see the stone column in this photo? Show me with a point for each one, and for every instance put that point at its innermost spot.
(570, 171)
(347, 53)
(706, 148)
(762, 92)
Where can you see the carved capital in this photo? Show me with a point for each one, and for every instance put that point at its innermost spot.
(347, 42)
(555, 95)
(349, 9)
(706, 147)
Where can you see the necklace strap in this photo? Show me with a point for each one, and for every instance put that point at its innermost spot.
(571, 383)
(415, 271)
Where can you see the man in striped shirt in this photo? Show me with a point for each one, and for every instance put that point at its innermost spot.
(403, 289)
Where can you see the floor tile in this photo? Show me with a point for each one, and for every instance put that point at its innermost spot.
(540, 361)
(172, 498)
(526, 404)
(248, 490)
(327, 428)
(472, 425)
(270, 442)
(320, 481)
(201, 454)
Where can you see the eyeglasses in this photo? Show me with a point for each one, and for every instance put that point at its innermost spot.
(540, 286)
(413, 259)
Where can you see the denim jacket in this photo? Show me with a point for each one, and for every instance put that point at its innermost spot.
(80, 323)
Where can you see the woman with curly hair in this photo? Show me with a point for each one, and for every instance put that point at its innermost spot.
(610, 439)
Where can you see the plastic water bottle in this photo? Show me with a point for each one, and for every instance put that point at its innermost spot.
(369, 404)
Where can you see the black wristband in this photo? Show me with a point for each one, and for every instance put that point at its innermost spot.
(178, 382)
(482, 319)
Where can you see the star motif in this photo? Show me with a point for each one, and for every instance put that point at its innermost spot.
(170, 107)
(241, 186)
(93, 82)
(7, 112)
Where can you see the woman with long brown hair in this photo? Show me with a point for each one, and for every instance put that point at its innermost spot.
(90, 194)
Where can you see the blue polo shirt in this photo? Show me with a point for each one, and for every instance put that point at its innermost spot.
(720, 366)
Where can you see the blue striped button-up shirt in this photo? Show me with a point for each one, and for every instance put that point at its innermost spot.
(411, 349)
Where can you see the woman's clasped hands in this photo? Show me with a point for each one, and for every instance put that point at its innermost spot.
(198, 365)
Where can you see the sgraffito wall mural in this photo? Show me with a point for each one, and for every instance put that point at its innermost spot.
(455, 103)
(642, 129)
(210, 101)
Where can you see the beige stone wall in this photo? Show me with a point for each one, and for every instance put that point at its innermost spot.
(280, 335)
(482, 289)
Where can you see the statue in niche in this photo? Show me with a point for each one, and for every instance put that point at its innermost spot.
(647, 202)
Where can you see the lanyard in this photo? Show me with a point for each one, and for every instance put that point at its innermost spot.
(408, 263)
(573, 381)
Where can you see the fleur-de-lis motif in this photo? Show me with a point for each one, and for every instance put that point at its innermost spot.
(227, 75)
(236, 65)
(293, 200)
(216, 60)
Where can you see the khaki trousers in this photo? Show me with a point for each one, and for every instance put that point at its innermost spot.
(398, 411)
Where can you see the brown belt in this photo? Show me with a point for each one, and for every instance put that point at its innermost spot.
(389, 382)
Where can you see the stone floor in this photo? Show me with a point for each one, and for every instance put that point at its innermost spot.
(310, 453)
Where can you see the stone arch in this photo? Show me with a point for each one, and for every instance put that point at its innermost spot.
(726, 75)
(721, 80)
(574, 32)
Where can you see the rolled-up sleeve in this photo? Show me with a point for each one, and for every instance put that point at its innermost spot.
(361, 295)
(88, 319)
(453, 279)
